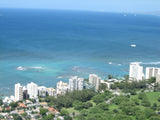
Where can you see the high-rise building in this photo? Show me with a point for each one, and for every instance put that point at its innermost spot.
(158, 78)
(76, 83)
(95, 80)
(51, 91)
(25, 93)
(151, 72)
(42, 90)
(18, 92)
(136, 71)
(62, 87)
(32, 90)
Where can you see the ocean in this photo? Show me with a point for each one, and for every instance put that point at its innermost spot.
(53, 45)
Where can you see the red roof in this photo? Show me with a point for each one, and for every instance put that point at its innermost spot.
(51, 109)
(22, 105)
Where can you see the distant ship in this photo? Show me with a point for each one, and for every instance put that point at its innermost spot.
(124, 15)
(133, 45)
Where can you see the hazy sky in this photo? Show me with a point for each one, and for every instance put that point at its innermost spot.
(95, 5)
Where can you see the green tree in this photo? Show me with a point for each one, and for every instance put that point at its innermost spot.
(152, 80)
(122, 117)
(158, 99)
(16, 117)
(43, 111)
(103, 106)
(126, 77)
(98, 99)
(136, 101)
(49, 117)
(87, 105)
(149, 112)
(103, 86)
(64, 112)
(67, 117)
(13, 104)
(154, 118)
(140, 116)
(84, 112)
(110, 76)
(1, 102)
(142, 96)
(145, 103)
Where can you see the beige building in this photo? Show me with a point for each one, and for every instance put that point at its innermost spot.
(151, 72)
(95, 80)
(62, 87)
(51, 91)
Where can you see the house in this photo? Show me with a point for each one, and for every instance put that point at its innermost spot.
(43, 103)
(22, 105)
(51, 109)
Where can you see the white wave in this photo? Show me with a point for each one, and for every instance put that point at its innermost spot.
(151, 63)
(29, 68)
(59, 77)
(21, 68)
(110, 63)
(36, 67)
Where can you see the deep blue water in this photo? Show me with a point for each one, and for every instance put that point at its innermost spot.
(66, 43)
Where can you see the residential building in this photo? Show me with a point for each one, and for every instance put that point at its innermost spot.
(25, 93)
(32, 90)
(136, 71)
(18, 92)
(76, 83)
(62, 87)
(42, 90)
(88, 86)
(51, 91)
(158, 78)
(151, 72)
(95, 80)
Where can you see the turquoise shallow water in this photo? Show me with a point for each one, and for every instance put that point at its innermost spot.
(54, 45)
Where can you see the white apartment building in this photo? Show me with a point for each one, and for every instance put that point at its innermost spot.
(76, 83)
(42, 91)
(151, 72)
(136, 71)
(32, 90)
(18, 92)
(95, 80)
(62, 87)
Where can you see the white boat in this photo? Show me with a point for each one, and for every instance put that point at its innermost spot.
(133, 45)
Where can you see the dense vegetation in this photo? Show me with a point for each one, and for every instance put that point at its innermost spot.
(89, 105)
(69, 98)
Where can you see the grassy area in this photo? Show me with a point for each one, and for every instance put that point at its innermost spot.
(71, 110)
(113, 106)
(152, 97)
